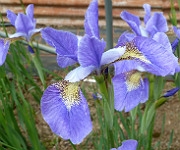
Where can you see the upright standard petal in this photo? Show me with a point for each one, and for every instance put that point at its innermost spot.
(125, 37)
(127, 145)
(147, 15)
(157, 23)
(11, 16)
(163, 39)
(132, 20)
(30, 13)
(24, 24)
(129, 90)
(90, 51)
(4, 47)
(66, 111)
(91, 20)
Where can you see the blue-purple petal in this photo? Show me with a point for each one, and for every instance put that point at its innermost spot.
(4, 47)
(127, 145)
(128, 65)
(176, 31)
(11, 16)
(162, 60)
(171, 92)
(65, 43)
(163, 39)
(90, 51)
(125, 37)
(65, 61)
(74, 124)
(24, 24)
(30, 13)
(132, 20)
(174, 44)
(91, 19)
(127, 100)
(147, 15)
(157, 23)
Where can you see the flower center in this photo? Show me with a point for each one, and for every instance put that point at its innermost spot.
(133, 80)
(69, 92)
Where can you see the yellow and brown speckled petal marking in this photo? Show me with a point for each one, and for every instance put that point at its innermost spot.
(132, 52)
(69, 92)
(133, 80)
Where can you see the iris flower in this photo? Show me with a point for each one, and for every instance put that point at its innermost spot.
(4, 46)
(65, 109)
(127, 145)
(153, 23)
(142, 54)
(25, 24)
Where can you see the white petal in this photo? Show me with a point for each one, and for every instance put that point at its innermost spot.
(112, 55)
(79, 73)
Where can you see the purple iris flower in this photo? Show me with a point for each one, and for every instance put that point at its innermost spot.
(142, 54)
(65, 109)
(153, 23)
(25, 24)
(90, 54)
(127, 145)
(4, 46)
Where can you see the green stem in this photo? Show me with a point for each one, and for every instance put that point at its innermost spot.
(74, 147)
(110, 138)
(38, 66)
(108, 113)
(151, 88)
(150, 133)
